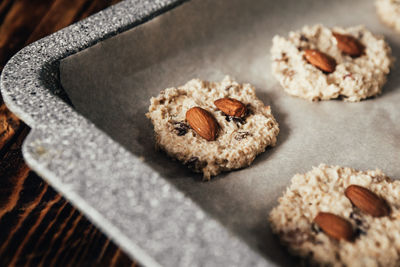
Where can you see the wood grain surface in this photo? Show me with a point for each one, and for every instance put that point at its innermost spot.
(38, 227)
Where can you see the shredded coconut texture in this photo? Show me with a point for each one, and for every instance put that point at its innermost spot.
(389, 12)
(238, 140)
(354, 79)
(377, 241)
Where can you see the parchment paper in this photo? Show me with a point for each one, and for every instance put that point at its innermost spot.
(111, 84)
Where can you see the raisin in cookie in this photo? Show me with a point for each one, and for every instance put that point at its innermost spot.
(335, 216)
(389, 12)
(319, 63)
(212, 126)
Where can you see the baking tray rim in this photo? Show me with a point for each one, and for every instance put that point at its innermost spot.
(31, 88)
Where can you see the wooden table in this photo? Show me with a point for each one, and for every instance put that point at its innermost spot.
(38, 227)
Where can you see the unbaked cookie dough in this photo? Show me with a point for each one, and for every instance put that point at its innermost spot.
(389, 12)
(238, 140)
(376, 240)
(353, 78)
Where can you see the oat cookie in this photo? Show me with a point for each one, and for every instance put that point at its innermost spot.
(334, 216)
(212, 126)
(319, 63)
(389, 12)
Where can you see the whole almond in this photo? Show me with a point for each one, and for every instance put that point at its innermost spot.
(203, 123)
(348, 44)
(334, 226)
(367, 201)
(320, 60)
(231, 107)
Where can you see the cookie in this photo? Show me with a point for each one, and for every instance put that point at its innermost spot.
(334, 216)
(389, 12)
(319, 63)
(212, 126)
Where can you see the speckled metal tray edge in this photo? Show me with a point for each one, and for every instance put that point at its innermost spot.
(161, 226)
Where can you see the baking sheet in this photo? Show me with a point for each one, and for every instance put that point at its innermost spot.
(111, 84)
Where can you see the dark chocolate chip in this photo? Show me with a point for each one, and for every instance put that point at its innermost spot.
(249, 110)
(362, 228)
(191, 163)
(315, 228)
(359, 232)
(239, 120)
(181, 128)
(356, 218)
(236, 120)
(303, 38)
